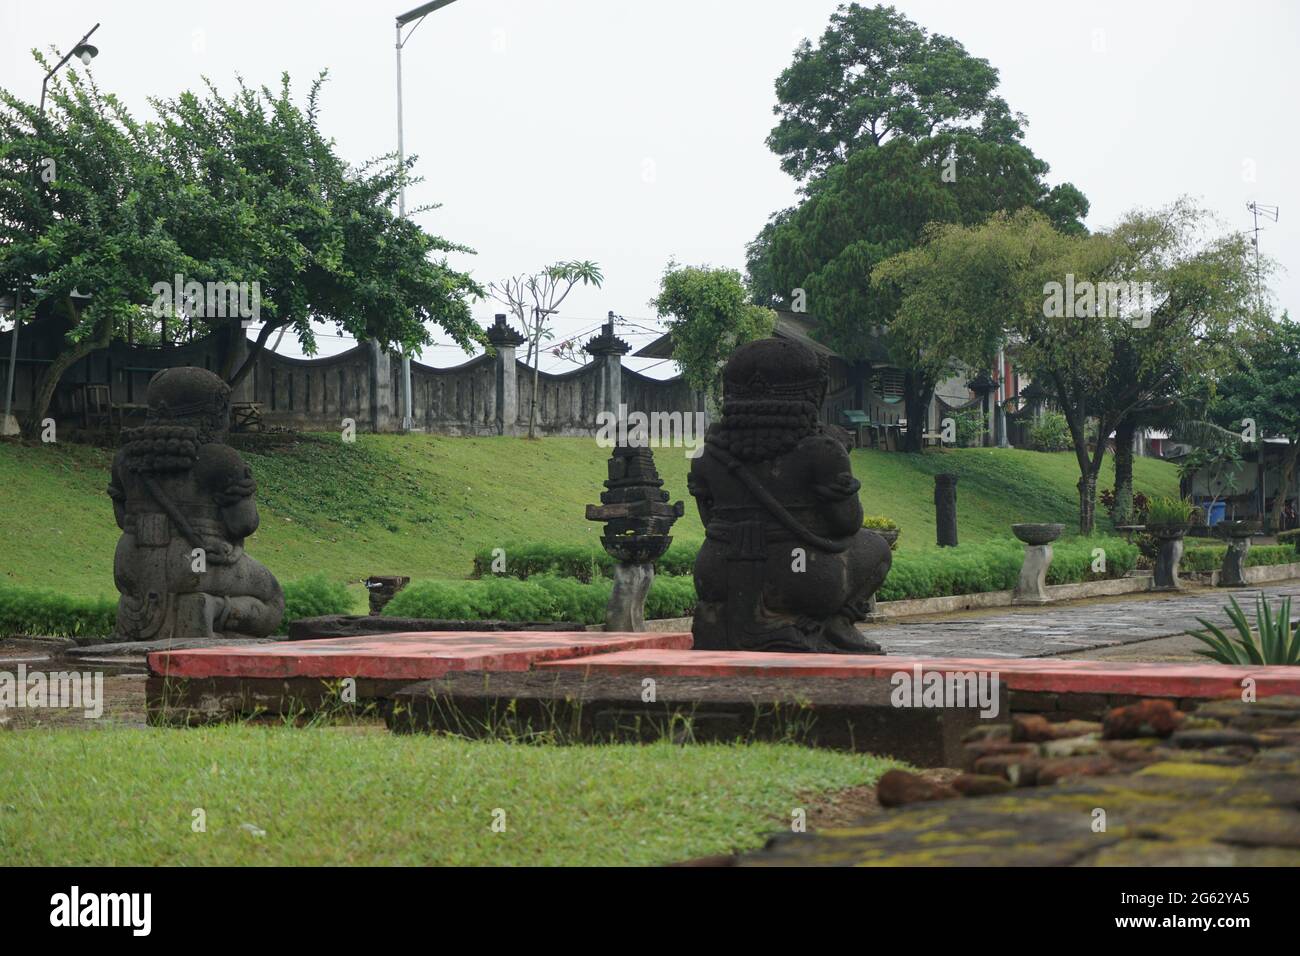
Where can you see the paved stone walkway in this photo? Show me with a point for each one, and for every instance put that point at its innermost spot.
(1049, 630)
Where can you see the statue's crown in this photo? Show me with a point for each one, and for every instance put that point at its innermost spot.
(774, 368)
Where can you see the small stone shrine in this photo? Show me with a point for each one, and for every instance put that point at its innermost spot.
(637, 519)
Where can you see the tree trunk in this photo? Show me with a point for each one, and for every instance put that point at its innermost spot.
(1122, 513)
(54, 372)
(1087, 503)
(532, 405)
(242, 372)
(1279, 499)
(917, 392)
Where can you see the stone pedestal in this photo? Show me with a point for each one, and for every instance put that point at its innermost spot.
(1168, 558)
(945, 510)
(1232, 574)
(1038, 538)
(626, 608)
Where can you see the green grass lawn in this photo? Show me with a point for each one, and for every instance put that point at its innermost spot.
(421, 505)
(334, 796)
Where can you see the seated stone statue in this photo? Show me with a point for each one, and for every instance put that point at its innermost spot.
(786, 564)
(184, 500)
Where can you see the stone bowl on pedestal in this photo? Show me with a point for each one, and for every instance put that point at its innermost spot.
(636, 548)
(1167, 532)
(1236, 529)
(1035, 534)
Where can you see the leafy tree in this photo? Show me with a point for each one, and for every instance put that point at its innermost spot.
(84, 207)
(875, 75)
(533, 299)
(708, 314)
(1264, 388)
(270, 201)
(875, 205)
(989, 286)
(234, 190)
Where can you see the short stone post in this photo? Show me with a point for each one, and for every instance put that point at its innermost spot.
(1168, 557)
(945, 510)
(637, 519)
(1232, 574)
(1038, 538)
(505, 340)
(382, 588)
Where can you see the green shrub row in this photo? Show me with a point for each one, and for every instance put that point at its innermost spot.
(43, 612)
(995, 566)
(542, 597)
(1290, 538)
(581, 561)
(40, 611)
(1209, 557)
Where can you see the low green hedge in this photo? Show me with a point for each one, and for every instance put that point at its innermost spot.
(1209, 557)
(995, 566)
(1290, 538)
(584, 562)
(542, 597)
(312, 597)
(41, 611)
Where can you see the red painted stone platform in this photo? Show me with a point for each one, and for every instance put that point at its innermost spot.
(408, 656)
(1036, 674)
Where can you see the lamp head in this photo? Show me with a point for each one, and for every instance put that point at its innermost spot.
(86, 52)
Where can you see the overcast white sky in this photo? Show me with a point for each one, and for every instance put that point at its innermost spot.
(628, 131)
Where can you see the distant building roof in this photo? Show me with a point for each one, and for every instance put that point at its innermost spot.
(789, 325)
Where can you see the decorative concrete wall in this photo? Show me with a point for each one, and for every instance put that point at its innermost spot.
(488, 395)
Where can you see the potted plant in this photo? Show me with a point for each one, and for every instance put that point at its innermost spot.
(1167, 522)
(887, 528)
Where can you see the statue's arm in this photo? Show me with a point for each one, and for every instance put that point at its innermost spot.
(117, 491)
(230, 482)
(239, 505)
(697, 484)
(834, 484)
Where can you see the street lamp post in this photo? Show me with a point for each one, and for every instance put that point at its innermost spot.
(85, 53)
(415, 16)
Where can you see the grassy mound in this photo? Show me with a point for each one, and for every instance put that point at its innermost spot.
(424, 505)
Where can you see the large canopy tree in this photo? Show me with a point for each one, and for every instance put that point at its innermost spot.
(890, 128)
(969, 290)
(877, 204)
(245, 189)
(875, 75)
(84, 210)
(274, 203)
(1262, 387)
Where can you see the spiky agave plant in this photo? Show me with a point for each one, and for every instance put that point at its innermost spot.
(1271, 641)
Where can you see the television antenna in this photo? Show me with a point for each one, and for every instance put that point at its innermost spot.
(1269, 213)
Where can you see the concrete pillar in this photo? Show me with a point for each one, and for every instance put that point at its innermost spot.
(381, 389)
(608, 351)
(243, 392)
(945, 510)
(505, 340)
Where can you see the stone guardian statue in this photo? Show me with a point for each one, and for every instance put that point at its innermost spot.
(786, 564)
(184, 500)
